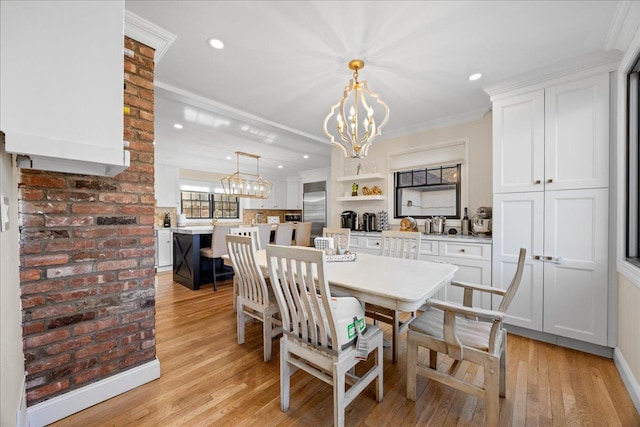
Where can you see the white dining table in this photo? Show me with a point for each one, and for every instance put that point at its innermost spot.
(393, 283)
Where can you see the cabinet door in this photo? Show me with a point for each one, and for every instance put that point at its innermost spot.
(278, 195)
(575, 281)
(167, 182)
(518, 223)
(164, 248)
(577, 134)
(518, 143)
(293, 195)
(469, 270)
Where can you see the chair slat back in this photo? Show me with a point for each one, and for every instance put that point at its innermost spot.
(302, 290)
(303, 233)
(341, 236)
(247, 231)
(400, 244)
(515, 283)
(218, 241)
(284, 234)
(250, 280)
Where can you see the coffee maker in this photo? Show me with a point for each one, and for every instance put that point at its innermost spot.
(369, 222)
(349, 219)
(481, 222)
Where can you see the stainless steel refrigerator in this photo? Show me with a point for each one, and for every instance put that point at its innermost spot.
(314, 206)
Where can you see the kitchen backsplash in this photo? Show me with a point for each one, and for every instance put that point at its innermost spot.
(249, 216)
(159, 216)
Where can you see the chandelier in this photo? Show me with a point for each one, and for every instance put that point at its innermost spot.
(350, 131)
(246, 184)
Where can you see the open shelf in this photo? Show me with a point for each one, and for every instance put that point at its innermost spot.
(361, 177)
(359, 198)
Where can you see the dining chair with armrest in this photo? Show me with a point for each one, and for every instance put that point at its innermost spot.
(398, 244)
(254, 232)
(216, 251)
(310, 340)
(255, 299)
(465, 333)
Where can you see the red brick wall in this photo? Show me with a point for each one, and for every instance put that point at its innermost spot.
(87, 259)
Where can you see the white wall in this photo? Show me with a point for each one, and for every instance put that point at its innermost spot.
(12, 359)
(479, 165)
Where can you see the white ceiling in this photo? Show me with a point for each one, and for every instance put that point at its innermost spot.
(285, 63)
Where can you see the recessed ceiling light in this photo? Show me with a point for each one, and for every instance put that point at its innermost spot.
(215, 43)
(178, 126)
(228, 157)
(279, 166)
(305, 156)
(475, 76)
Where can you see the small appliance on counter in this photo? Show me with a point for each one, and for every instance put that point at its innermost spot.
(273, 219)
(167, 220)
(349, 219)
(437, 224)
(292, 217)
(182, 220)
(369, 222)
(481, 222)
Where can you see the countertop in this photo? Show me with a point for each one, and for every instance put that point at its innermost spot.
(196, 229)
(443, 237)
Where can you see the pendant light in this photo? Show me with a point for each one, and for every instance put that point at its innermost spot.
(241, 184)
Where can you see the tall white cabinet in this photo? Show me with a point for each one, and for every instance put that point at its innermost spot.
(550, 162)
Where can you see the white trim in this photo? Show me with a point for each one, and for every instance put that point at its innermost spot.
(466, 117)
(22, 416)
(617, 31)
(148, 33)
(628, 379)
(74, 401)
(630, 272)
(603, 62)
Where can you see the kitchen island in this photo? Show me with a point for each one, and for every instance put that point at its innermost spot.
(188, 268)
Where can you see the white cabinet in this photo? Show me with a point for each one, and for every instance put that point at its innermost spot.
(61, 79)
(293, 195)
(551, 197)
(553, 139)
(167, 187)
(164, 249)
(277, 199)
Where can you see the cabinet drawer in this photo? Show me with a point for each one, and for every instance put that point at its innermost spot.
(372, 243)
(481, 251)
(428, 247)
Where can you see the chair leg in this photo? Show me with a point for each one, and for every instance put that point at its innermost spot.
(503, 367)
(412, 361)
(266, 335)
(284, 376)
(433, 359)
(240, 321)
(379, 361)
(491, 390)
(338, 395)
(215, 286)
(235, 294)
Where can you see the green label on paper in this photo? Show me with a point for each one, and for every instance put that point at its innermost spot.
(351, 329)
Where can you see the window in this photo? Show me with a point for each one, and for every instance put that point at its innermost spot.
(201, 205)
(633, 160)
(422, 193)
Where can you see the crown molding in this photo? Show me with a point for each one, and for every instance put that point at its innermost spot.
(599, 62)
(148, 33)
(466, 117)
(623, 26)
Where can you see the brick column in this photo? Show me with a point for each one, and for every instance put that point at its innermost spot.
(87, 259)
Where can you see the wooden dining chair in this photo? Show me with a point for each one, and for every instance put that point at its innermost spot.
(215, 252)
(303, 234)
(255, 299)
(310, 340)
(341, 236)
(398, 244)
(464, 332)
(247, 231)
(284, 234)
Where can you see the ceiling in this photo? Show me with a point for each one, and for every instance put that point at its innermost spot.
(284, 65)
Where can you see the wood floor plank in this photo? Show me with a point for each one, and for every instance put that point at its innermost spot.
(208, 379)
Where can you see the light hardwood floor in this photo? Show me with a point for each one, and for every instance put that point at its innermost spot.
(208, 379)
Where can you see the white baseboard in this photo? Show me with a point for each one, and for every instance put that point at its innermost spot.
(62, 406)
(627, 377)
(22, 417)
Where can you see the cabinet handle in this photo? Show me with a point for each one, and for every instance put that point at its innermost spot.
(536, 257)
(377, 243)
(549, 181)
(461, 250)
(537, 181)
